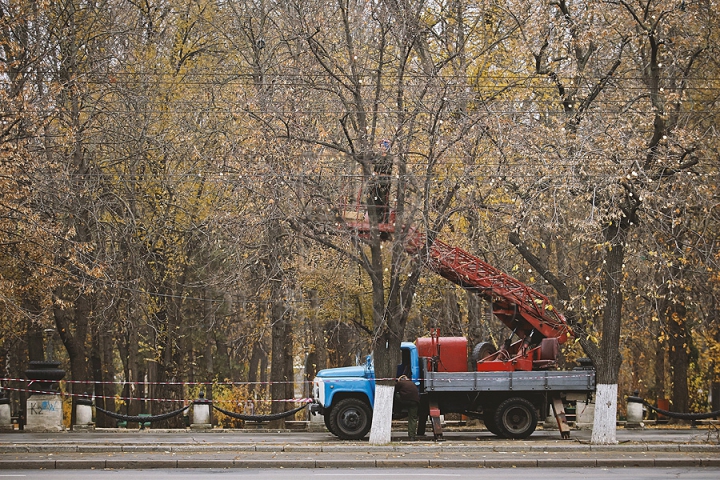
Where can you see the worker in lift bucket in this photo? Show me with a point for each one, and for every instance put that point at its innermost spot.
(407, 396)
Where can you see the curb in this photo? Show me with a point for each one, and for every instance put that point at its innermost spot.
(124, 464)
(359, 448)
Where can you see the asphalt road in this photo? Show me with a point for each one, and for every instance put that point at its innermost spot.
(398, 474)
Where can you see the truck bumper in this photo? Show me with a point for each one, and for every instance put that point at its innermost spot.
(316, 408)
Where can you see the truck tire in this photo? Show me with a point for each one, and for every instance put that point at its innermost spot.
(489, 421)
(482, 350)
(326, 420)
(350, 419)
(516, 418)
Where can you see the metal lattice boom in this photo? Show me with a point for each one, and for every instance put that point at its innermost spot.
(522, 308)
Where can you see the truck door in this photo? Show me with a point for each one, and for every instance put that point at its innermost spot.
(410, 366)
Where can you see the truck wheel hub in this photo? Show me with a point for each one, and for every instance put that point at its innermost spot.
(351, 418)
(517, 419)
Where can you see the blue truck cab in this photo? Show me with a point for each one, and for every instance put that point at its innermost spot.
(345, 395)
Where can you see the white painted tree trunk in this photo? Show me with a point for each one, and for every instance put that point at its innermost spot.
(380, 431)
(605, 424)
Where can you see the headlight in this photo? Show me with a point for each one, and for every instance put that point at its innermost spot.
(319, 390)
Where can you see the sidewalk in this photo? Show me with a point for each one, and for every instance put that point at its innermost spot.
(292, 449)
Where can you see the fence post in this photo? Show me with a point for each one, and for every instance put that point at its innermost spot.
(44, 408)
(201, 413)
(5, 415)
(634, 412)
(83, 414)
(584, 414)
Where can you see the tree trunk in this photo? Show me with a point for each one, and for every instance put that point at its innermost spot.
(209, 365)
(386, 347)
(317, 332)
(103, 375)
(678, 356)
(659, 364)
(127, 343)
(605, 356)
(476, 334)
(280, 346)
(607, 363)
(97, 374)
(257, 354)
(74, 339)
(451, 315)
(108, 362)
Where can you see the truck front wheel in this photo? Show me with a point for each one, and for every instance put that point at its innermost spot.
(516, 418)
(326, 419)
(350, 419)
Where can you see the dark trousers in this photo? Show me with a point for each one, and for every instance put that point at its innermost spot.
(412, 408)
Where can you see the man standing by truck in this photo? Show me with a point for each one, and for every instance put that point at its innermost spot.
(407, 396)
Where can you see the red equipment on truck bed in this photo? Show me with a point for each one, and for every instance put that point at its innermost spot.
(525, 311)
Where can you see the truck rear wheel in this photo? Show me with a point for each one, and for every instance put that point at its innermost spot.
(516, 418)
(489, 421)
(350, 419)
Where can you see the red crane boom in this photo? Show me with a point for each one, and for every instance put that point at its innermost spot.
(525, 311)
(522, 308)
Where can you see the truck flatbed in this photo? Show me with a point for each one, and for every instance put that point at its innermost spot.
(518, 381)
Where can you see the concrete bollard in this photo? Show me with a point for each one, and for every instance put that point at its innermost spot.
(550, 423)
(83, 414)
(201, 413)
(634, 414)
(44, 407)
(5, 415)
(317, 423)
(584, 415)
(44, 413)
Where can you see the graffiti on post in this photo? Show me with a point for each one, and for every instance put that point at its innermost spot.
(38, 408)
